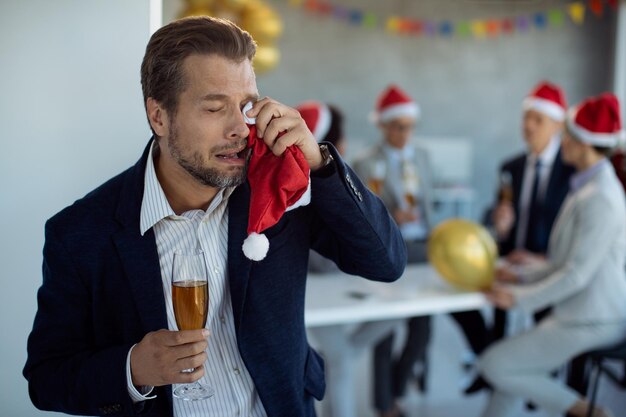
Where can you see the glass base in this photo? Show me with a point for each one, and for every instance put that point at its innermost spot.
(193, 392)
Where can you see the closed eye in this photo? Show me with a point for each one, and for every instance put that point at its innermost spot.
(215, 110)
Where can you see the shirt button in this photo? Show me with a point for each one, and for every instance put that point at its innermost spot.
(222, 319)
(237, 371)
(216, 270)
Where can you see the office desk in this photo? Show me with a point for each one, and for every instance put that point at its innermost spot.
(346, 314)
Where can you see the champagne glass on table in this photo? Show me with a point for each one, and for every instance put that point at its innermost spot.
(190, 298)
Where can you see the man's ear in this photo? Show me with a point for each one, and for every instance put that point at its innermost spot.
(158, 117)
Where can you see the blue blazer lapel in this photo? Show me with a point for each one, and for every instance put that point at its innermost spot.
(139, 257)
(138, 254)
(238, 265)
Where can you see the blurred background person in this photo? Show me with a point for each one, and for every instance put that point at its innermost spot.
(583, 277)
(534, 183)
(398, 171)
(326, 123)
(533, 186)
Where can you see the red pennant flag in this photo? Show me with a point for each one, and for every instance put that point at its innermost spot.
(597, 7)
(311, 5)
(493, 27)
(324, 8)
(414, 27)
(507, 26)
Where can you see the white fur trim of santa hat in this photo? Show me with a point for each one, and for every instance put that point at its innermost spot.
(547, 107)
(400, 110)
(323, 123)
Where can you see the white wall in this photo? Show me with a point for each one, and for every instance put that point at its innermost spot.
(71, 116)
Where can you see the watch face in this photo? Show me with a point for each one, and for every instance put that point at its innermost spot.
(326, 154)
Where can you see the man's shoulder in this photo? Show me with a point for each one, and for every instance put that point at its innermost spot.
(368, 154)
(514, 162)
(96, 207)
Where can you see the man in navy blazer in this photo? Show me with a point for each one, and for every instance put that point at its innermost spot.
(101, 329)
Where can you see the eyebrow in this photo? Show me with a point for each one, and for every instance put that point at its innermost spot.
(224, 97)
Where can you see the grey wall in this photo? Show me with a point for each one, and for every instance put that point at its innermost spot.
(466, 87)
(71, 116)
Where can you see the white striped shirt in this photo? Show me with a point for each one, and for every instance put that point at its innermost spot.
(225, 372)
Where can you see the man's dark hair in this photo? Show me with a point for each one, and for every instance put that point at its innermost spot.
(608, 152)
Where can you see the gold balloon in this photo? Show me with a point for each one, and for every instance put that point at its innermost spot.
(197, 11)
(199, 3)
(254, 16)
(265, 59)
(236, 5)
(264, 27)
(463, 253)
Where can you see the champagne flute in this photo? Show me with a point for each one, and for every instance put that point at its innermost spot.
(377, 177)
(505, 191)
(190, 297)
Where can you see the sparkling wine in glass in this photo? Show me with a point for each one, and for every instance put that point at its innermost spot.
(505, 190)
(190, 298)
(377, 177)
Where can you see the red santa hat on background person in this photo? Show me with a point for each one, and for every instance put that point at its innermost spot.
(393, 103)
(547, 98)
(597, 121)
(317, 117)
(277, 184)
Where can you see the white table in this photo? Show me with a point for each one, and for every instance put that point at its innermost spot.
(346, 314)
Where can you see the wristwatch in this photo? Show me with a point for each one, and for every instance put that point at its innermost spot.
(327, 158)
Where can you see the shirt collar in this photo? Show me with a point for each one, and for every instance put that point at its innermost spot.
(547, 157)
(154, 205)
(580, 179)
(405, 153)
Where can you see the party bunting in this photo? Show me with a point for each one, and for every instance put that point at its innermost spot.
(476, 28)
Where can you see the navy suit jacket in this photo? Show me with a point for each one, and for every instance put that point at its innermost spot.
(102, 292)
(558, 187)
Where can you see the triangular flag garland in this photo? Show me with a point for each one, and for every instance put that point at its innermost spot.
(476, 28)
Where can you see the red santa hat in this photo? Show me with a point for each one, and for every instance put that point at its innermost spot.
(277, 184)
(548, 99)
(597, 121)
(393, 103)
(317, 117)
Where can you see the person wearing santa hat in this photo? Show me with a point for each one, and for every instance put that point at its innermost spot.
(533, 186)
(398, 171)
(325, 121)
(582, 277)
(240, 182)
(537, 178)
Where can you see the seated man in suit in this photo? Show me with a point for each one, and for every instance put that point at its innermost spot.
(105, 340)
(398, 171)
(533, 187)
